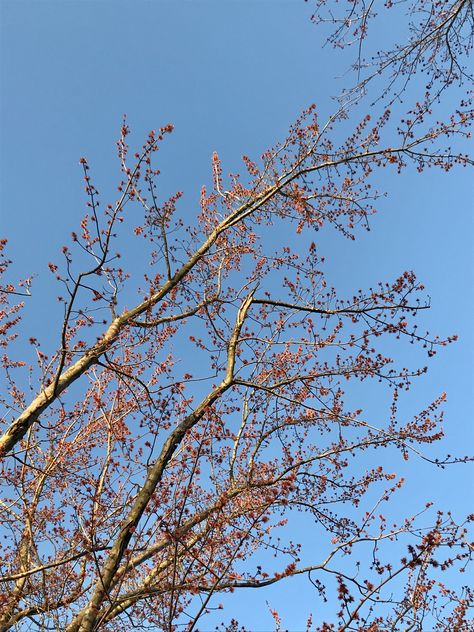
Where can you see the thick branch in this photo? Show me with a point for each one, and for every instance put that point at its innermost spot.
(18, 428)
(85, 621)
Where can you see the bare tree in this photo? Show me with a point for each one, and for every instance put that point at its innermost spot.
(135, 496)
(438, 36)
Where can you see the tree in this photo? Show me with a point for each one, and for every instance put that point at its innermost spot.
(440, 35)
(136, 489)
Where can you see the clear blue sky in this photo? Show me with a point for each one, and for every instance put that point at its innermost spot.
(231, 76)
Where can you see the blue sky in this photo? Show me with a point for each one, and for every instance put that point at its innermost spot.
(231, 76)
